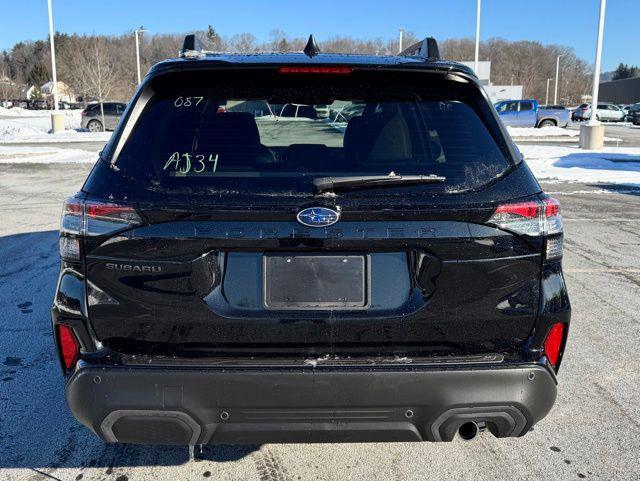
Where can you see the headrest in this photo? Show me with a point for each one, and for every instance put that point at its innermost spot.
(229, 131)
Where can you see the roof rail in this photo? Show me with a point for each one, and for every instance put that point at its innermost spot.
(425, 49)
(191, 47)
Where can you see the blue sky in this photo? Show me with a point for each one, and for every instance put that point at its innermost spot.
(567, 22)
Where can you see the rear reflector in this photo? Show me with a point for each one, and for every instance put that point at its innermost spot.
(316, 70)
(553, 343)
(69, 348)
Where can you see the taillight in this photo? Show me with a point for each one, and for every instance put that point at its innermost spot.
(316, 70)
(105, 218)
(533, 218)
(69, 347)
(91, 218)
(553, 343)
(71, 227)
(71, 221)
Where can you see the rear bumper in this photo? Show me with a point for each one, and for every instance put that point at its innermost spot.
(154, 405)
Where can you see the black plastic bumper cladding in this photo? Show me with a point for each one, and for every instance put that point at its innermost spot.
(192, 406)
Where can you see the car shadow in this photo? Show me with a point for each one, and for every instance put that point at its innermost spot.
(625, 189)
(37, 431)
(600, 161)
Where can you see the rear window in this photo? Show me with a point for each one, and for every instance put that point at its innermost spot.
(228, 131)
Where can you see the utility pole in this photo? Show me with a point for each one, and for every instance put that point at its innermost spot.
(57, 121)
(137, 31)
(477, 54)
(592, 134)
(555, 92)
(546, 97)
(400, 40)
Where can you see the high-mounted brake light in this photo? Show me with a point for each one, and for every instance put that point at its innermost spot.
(533, 218)
(69, 347)
(553, 343)
(316, 70)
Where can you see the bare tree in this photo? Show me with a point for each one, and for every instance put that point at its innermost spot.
(243, 43)
(94, 70)
(524, 63)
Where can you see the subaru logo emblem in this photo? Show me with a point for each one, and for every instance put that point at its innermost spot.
(318, 217)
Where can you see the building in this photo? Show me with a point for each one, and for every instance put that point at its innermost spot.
(26, 92)
(496, 93)
(625, 91)
(64, 92)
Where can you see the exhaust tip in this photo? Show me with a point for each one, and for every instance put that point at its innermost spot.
(468, 430)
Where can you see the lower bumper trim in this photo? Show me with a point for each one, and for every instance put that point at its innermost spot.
(154, 405)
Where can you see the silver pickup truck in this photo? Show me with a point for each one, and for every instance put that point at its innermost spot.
(527, 113)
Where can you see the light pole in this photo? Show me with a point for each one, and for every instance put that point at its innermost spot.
(596, 71)
(555, 92)
(546, 97)
(592, 134)
(57, 121)
(138, 31)
(477, 53)
(400, 40)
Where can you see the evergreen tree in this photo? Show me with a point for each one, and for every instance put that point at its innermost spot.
(625, 71)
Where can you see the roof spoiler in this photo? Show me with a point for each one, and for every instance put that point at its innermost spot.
(191, 47)
(426, 49)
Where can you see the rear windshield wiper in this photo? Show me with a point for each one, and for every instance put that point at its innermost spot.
(323, 184)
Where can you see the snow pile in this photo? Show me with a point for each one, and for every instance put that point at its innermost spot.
(25, 125)
(44, 155)
(10, 129)
(20, 112)
(275, 118)
(616, 165)
(34, 126)
(550, 131)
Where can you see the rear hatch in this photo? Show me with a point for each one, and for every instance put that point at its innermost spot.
(248, 241)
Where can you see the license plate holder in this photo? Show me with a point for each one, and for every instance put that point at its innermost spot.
(315, 281)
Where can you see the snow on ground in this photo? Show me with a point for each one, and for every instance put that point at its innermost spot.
(549, 134)
(541, 132)
(19, 125)
(615, 165)
(44, 155)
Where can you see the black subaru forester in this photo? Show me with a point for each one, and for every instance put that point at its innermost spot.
(231, 274)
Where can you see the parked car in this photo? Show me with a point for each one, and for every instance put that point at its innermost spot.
(632, 113)
(527, 113)
(231, 281)
(92, 116)
(604, 112)
(37, 104)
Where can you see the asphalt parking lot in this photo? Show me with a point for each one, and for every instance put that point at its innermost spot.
(592, 433)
